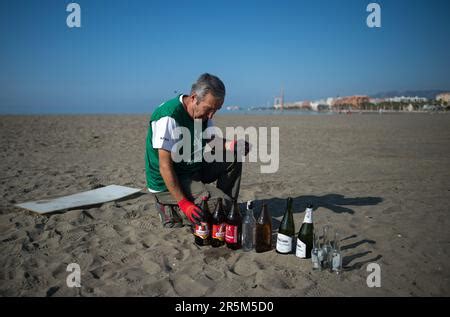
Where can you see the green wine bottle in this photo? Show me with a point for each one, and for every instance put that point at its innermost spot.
(286, 231)
(305, 235)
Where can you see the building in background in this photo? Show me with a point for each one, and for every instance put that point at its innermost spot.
(445, 97)
(407, 99)
(320, 105)
(350, 102)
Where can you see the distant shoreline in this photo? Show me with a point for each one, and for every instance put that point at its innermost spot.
(240, 113)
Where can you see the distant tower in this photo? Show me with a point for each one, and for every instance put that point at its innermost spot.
(279, 100)
(282, 98)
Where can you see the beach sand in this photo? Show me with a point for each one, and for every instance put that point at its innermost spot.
(383, 181)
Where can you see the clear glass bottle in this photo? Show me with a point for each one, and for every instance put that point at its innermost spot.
(316, 263)
(326, 247)
(248, 228)
(335, 256)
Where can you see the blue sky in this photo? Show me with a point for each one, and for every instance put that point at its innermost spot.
(129, 56)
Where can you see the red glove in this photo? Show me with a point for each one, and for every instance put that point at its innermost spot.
(191, 211)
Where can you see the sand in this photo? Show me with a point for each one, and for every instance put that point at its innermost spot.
(383, 181)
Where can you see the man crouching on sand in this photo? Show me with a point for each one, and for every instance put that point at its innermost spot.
(177, 185)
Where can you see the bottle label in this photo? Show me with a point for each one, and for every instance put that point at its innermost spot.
(301, 249)
(308, 216)
(218, 232)
(284, 243)
(202, 230)
(231, 234)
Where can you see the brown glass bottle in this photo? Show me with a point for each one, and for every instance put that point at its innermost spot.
(218, 225)
(233, 228)
(263, 241)
(202, 231)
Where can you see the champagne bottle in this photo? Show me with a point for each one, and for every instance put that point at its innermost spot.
(286, 231)
(264, 230)
(305, 235)
(218, 225)
(248, 228)
(233, 229)
(202, 231)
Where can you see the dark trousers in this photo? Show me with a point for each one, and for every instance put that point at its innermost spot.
(227, 176)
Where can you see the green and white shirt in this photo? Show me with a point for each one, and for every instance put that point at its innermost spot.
(161, 135)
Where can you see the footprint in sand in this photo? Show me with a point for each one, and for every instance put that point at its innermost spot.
(11, 238)
(145, 223)
(215, 255)
(245, 267)
(159, 288)
(274, 281)
(70, 239)
(213, 274)
(112, 256)
(131, 240)
(313, 290)
(105, 273)
(131, 259)
(184, 285)
(183, 254)
(151, 267)
(133, 276)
